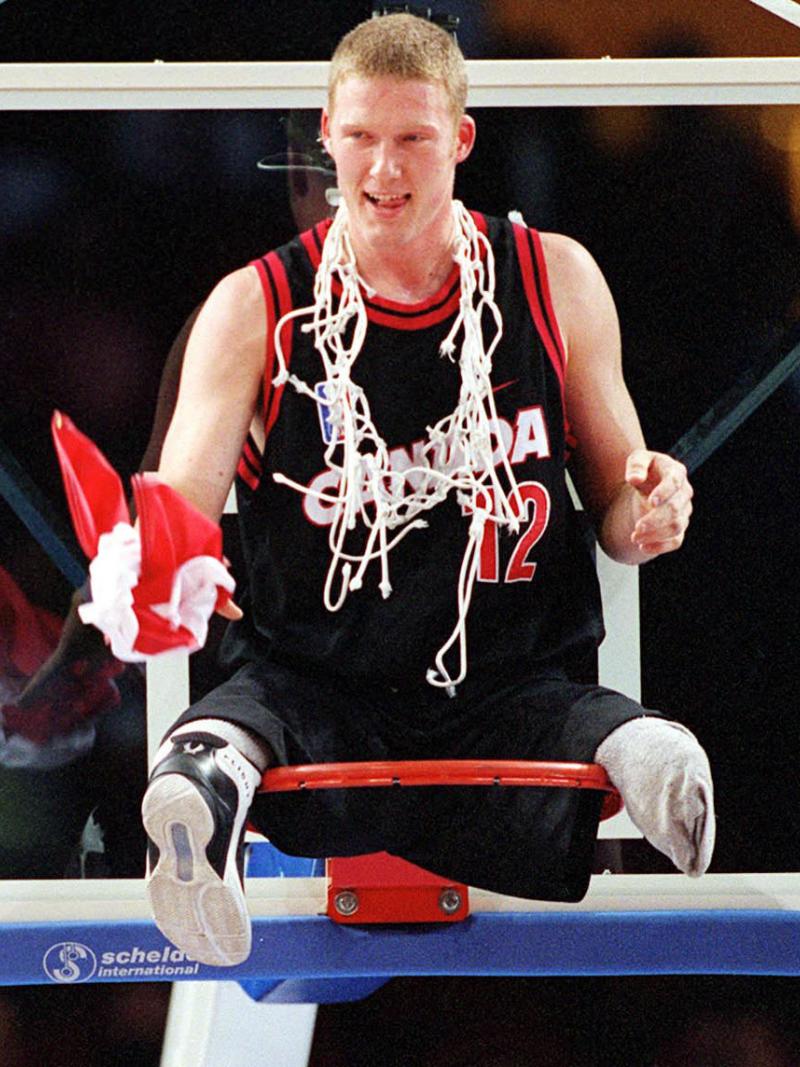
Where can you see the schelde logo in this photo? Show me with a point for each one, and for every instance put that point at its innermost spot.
(69, 961)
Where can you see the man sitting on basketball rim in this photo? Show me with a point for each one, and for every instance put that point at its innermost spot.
(397, 393)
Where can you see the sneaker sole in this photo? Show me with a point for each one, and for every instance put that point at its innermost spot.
(202, 914)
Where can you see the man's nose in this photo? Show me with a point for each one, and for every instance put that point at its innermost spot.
(385, 162)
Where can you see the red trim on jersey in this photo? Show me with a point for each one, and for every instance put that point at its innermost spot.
(411, 316)
(247, 476)
(383, 303)
(313, 240)
(249, 468)
(480, 221)
(420, 319)
(529, 284)
(550, 340)
(269, 347)
(555, 329)
(278, 272)
(274, 282)
(307, 241)
(548, 302)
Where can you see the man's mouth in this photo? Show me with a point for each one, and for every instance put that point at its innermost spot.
(387, 200)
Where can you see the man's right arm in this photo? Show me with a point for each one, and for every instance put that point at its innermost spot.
(218, 394)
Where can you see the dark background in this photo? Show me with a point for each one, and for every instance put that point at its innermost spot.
(115, 225)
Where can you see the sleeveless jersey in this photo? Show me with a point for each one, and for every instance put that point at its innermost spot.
(536, 598)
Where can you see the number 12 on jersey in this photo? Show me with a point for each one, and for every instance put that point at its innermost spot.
(536, 507)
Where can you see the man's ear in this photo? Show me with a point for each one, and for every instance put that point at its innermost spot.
(465, 137)
(325, 131)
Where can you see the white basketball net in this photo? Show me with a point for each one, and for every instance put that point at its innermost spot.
(457, 456)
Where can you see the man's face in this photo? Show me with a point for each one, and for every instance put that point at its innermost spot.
(396, 145)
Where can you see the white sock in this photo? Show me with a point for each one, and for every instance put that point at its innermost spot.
(247, 743)
(664, 778)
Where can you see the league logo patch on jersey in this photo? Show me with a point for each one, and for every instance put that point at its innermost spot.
(326, 426)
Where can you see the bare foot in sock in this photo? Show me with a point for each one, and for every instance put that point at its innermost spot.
(664, 778)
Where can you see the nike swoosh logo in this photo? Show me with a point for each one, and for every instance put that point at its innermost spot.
(504, 385)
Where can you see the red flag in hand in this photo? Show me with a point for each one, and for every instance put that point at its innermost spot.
(161, 599)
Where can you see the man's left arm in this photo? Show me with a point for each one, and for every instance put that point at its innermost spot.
(640, 501)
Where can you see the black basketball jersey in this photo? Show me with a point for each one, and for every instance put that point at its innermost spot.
(536, 598)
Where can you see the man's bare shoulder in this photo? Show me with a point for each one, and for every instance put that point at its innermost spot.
(233, 317)
(238, 293)
(230, 329)
(582, 301)
(569, 263)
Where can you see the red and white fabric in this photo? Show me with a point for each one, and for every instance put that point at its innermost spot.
(154, 586)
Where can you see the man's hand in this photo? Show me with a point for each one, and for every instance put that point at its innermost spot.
(229, 609)
(663, 497)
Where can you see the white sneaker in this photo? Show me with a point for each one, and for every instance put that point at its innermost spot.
(194, 812)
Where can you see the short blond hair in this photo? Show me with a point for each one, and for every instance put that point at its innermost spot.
(401, 46)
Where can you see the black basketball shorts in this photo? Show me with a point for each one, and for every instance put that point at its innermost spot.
(535, 842)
